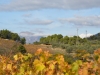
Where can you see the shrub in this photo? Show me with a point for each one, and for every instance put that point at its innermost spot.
(22, 49)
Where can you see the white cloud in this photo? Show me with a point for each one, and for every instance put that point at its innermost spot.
(24, 5)
(37, 22)
(82, 21)
(84, 35)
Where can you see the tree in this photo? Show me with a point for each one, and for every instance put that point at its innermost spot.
(15, 37)
(21, 49)
(65, 40)
(6, 34)
(43, 40)
(23, 40)
(59, 36)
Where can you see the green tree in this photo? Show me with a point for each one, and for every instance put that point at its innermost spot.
(59, 36)
(6, 34)
(23, 40)
(21, 49)
(15, 37)
(65, 40)
(72, 41)
(43, 40)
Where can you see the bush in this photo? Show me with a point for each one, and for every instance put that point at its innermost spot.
(23, 40)
(22, 49)
(55, 45)
(69, 58)
(70, 49)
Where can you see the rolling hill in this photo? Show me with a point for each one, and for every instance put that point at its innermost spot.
(8, 46)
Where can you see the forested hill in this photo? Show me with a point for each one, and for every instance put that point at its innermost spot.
(6, 34)
(94, 37)
(11, 43)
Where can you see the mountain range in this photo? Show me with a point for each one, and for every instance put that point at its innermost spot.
(31, 39)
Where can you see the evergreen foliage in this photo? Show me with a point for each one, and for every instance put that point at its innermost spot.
(22, 49)
(6, 34)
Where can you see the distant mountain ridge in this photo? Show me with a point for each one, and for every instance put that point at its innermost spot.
(32, 39)
(95, 37)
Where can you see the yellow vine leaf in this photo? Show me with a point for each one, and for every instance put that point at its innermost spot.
(16, 57)
(9, 66)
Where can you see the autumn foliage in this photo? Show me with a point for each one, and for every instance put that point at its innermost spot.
(44, 63)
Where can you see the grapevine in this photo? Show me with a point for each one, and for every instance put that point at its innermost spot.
(45, 63)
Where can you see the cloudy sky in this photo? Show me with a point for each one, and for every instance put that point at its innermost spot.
(47, 17)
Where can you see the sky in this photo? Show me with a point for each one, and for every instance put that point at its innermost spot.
(48, 17)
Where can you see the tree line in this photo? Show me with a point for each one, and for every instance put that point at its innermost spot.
(72, 44)
(6, 34)
(95, 37)
(60, 39)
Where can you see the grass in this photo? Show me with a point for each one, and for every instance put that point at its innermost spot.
(8, 46)
(31, 48)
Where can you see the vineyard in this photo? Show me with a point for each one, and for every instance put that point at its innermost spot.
(45, 63)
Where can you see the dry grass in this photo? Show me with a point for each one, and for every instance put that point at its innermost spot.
(8, 46)
(32, 48)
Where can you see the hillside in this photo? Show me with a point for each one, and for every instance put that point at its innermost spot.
(8, 46)
(31, 48)
(95, 37)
